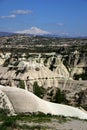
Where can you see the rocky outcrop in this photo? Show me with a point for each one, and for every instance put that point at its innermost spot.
(5, 104)
(76, 62)
(26, 102)
(30, 74)
(50, 71)
(67, 65)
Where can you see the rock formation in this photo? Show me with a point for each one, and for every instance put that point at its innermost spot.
(24, 102)
(6, 104)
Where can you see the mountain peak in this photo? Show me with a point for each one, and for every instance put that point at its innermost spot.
(34, 31)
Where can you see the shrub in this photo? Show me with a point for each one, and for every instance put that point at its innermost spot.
(7, 62)
(4, 111)
(39, 91)
(22, 84)
(60, 97)
(82, 76)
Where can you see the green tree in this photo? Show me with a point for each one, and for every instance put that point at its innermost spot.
(60, 97)
(22, 84)
(38, 91)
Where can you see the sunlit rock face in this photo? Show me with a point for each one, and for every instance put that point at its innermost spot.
(49, 70)
(65, 65)
(62, 70)
(30, 72)
(5, 103)
(1, 61)
(24, 101)
(55, 63)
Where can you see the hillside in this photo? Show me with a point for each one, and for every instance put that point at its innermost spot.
(50, 63)
(20, 98)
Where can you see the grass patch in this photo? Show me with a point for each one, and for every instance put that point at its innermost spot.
(31, 122)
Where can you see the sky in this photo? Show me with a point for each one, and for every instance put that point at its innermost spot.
(62, 17)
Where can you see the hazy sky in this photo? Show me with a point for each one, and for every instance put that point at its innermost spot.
(54, 16)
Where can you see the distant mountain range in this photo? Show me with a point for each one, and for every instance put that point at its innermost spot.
(6, 34)
(2, 34)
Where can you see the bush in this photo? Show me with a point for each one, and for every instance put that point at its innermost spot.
(9, 123)
(82, 76)
(60, 97)
(22, 84)
(6, 63)
(38, 91)
(4, 111)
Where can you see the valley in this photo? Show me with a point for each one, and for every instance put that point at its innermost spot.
(54, 69)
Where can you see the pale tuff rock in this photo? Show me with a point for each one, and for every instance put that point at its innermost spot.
(33, 72)
(37, 62)
(1, 61)
(41, 74)
(77, 71)
(5, 103)
(60, 68)
(36, 68)
(5, 56)
(29, 65)
(24, 101)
